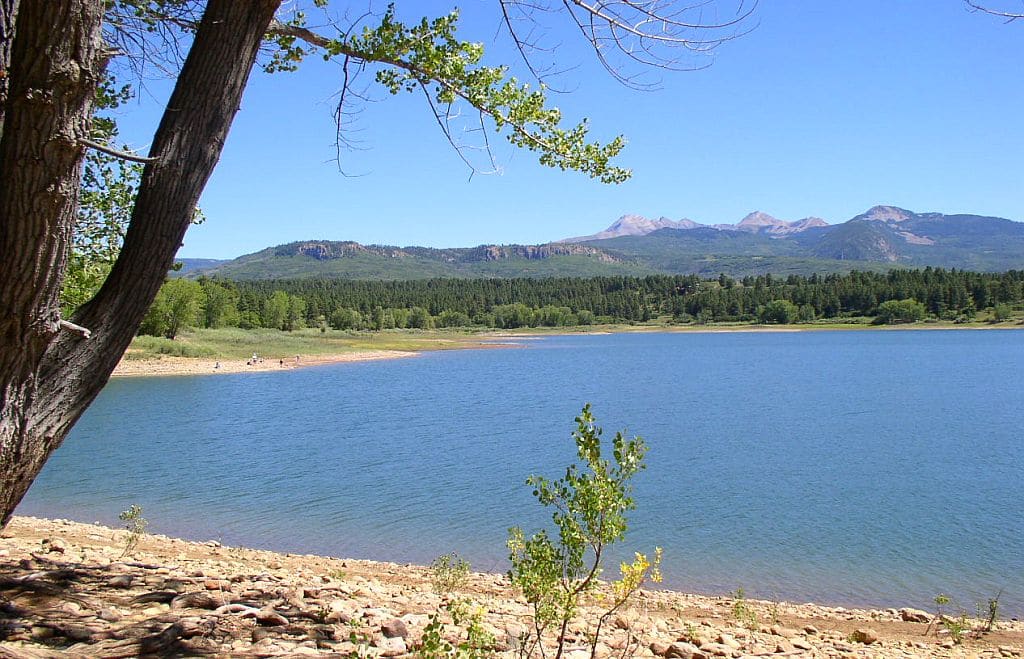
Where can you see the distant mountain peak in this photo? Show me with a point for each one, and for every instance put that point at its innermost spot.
(809, 222)
(886, 214)
(757, 219)
(634, 225)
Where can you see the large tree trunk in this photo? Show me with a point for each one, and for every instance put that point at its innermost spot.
(52, 81)
(8, 12)
(48, 378)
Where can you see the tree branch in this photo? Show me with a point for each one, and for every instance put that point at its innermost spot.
(123, 155)
(1008, 15)
(68, 325)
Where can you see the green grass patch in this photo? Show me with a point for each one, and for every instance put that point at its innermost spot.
(235, 343)
(154, 346)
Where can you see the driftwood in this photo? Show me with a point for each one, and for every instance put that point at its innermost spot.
(145, 639)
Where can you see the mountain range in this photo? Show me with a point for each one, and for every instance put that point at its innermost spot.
(882, 237)
(637, 225)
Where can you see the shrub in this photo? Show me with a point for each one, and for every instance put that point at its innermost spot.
(448, 573)
(449, 318)
(590, 504)
(135, 524)
(900, 311)
(742, 612)
(781, 312)
(1001, 312)
(477, 644)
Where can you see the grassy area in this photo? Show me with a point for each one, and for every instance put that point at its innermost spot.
(235, 343)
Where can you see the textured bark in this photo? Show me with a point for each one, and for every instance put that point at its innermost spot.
(66, 372)
(52, 81)
(8, 12)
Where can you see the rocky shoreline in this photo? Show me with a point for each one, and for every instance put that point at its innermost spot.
(67, 591)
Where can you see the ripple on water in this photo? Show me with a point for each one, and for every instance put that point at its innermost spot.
(844, 467)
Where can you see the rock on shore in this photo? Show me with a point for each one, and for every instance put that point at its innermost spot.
(66, 591)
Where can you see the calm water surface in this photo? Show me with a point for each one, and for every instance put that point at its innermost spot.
(873, 468)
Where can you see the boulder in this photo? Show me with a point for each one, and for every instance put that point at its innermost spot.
(110, 615)
(55, 545)
(682, 650)
(784, 632)
(391, 646)
(120, 581)
(864, 635)
(268, 617)
(394, 628)
(717, 650)
(914, 615)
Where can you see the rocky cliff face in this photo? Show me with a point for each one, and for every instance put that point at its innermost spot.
(327, 250)
(534, 252)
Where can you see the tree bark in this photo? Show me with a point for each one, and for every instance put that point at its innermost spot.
(46, 388)
(8, 12)
(52, 81)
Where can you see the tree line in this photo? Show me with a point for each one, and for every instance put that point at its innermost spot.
(896, 296)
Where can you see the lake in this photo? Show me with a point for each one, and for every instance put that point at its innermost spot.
(843, 467)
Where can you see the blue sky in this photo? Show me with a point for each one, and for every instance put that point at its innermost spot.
(825, 109)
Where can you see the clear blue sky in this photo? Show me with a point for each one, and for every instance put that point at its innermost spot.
(825, 109)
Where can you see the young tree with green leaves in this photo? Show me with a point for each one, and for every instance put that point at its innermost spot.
(900, 311)
(590, 505)
(221, 307)
(178, 304)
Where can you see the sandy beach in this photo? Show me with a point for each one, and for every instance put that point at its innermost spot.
(171, 365)
(174, 365)
(68, 590)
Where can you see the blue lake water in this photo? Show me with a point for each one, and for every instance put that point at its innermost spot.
(854, 468)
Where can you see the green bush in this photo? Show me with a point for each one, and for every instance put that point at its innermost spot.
(590, 505)
(135, 524)
(448, 573)
(780, 312)
(1001, 312)
(900, 311)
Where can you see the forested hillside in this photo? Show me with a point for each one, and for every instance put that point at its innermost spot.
(895, 296)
